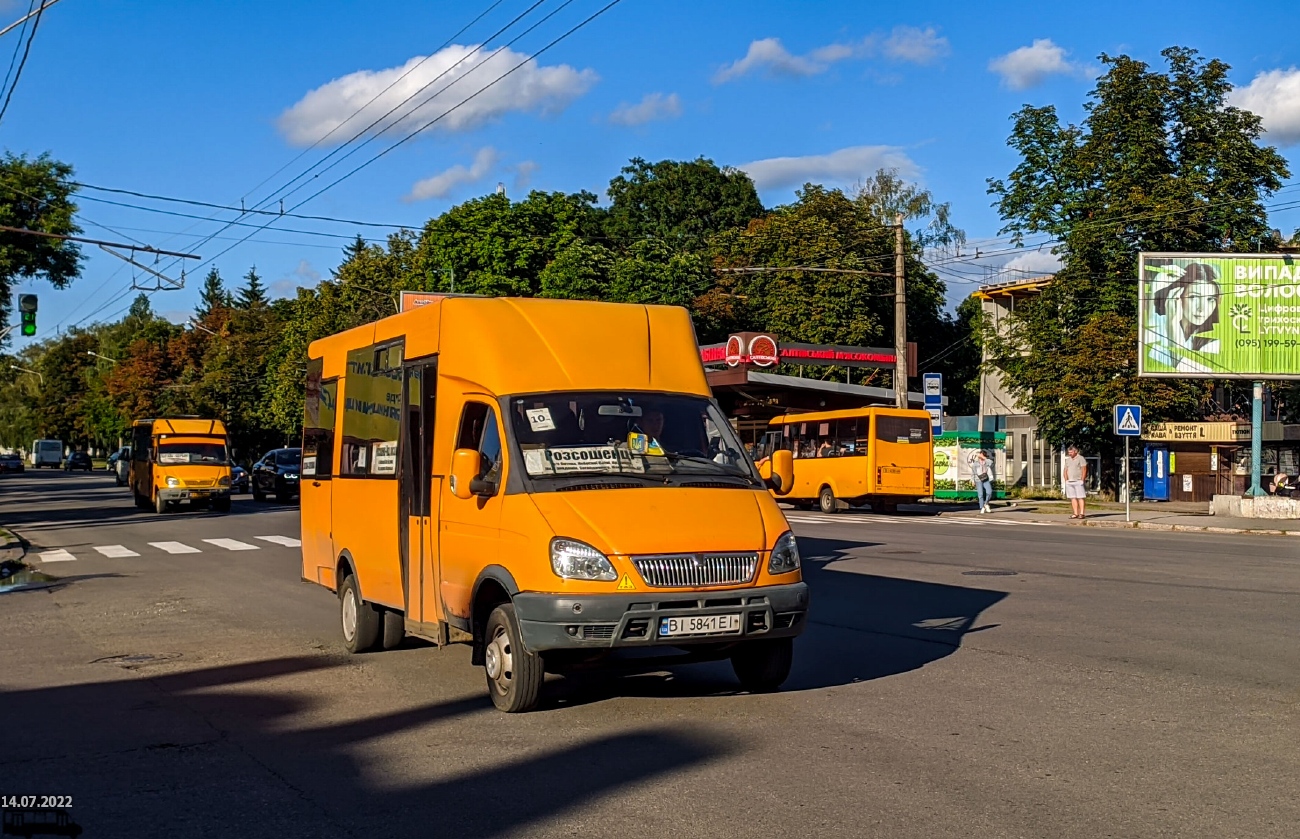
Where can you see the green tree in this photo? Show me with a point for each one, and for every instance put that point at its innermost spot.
(680, 202)
(253, 293)
(1160, 163)
(214, 294)
(36, 195)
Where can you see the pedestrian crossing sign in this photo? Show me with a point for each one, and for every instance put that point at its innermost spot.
(1128, 420)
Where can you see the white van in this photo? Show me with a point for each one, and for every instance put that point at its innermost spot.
(47, 453)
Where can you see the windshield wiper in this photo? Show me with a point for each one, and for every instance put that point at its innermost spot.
(717, 468)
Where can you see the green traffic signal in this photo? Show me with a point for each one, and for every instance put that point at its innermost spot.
(27, 306)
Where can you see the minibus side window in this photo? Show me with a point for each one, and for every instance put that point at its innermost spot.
(372, 412)
(478, 430)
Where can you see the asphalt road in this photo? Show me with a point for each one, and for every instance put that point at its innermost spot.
(959, 679)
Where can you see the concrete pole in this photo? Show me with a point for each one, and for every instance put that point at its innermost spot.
(900, 318)
(1256, 440)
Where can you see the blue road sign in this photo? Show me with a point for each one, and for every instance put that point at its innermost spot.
(933, 391)
(1128, 420)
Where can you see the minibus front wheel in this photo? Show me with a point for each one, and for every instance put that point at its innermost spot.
(361, 623)
(514, 675)
(763, 666)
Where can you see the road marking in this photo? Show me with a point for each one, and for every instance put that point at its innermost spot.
(59, 555)
(175, 547)
(959, 520)
(231, 544)
(287, 541)
(115, 551)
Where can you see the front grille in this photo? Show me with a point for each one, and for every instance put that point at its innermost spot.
(598, 631)
(200, 483)
(696, 570)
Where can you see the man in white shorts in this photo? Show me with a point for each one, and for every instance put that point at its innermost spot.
(1074, 471)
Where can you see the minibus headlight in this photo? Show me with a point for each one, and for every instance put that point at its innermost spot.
(785, 556)
(576, 560)
(223, 481)
(173, 481)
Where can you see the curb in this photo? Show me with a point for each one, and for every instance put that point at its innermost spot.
(1176, 528)
(12, 548)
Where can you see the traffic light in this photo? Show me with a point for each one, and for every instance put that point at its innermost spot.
(27, 308)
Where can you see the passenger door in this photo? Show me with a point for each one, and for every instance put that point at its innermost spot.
(417, 542)
(316, 478)
(470, 527)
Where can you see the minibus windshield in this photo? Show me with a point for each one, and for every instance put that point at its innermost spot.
(651, 434)
(207, 453)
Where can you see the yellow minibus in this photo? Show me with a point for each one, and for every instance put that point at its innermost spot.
(878, 456)
(548, 481)
(179, 460)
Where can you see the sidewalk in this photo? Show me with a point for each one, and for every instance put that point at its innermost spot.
(1145, 516)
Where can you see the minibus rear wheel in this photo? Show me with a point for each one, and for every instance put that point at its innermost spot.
(762, 666)
(514, 675)
(826, 500)
(361, 623)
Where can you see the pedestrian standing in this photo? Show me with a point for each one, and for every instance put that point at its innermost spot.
(1074, 471)
(981, 472)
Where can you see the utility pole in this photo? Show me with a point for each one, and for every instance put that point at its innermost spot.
(900, 318)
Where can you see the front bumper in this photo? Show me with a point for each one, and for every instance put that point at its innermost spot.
(607, 621)
(193, 494)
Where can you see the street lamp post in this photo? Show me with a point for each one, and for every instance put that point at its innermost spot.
(25, 370)
(196, 325)
(97, 355)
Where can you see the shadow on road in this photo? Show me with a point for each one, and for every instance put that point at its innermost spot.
(226, 750)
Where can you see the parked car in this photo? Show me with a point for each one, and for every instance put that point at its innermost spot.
(78, 460)
(11, 463)
(277, 474)
(238, 479)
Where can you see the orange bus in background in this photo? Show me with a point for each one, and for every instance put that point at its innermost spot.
(878, 456)
(180, 460)
(548, 481)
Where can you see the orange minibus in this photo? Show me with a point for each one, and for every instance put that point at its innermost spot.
(878, 456)
(180, 460)
(548, 481)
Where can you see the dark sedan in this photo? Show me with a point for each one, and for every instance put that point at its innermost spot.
(11, 463)
(277, 474)
(238, 479)
(78, 460)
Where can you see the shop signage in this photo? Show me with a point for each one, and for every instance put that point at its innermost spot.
(1201, 432)
(762, 350)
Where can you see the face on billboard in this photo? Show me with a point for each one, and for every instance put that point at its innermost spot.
(1219, 316)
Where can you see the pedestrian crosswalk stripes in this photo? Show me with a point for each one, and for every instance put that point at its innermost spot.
(115, 551)
(124, 552)
(905, 521)
(174, 547)
(231, 544)
(287, 541)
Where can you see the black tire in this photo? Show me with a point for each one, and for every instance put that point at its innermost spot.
(258, 495)
(159, 505)
(360, 621)
(221, 505)
(514, 675)
(762, 666)
(826, 501)
(393, 631)
(281, 496)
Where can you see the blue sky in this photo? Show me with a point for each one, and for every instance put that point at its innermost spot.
(207, 101)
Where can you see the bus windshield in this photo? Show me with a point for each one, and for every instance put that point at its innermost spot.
(207, 453)
(649, 434)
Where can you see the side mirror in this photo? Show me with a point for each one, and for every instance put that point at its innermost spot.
(782, 468)
(466, 471)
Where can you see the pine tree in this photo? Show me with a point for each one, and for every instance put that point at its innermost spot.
(252, 295)
(213, 296)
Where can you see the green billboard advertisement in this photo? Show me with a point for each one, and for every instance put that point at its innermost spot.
(1219, 316)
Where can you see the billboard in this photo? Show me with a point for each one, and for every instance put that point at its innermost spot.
(1222, 316)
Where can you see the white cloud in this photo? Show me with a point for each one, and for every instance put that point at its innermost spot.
(1029, 66)
(917, 46)
(444, 182)
(652, 107)
(769, 55)
(304, 276)
(1034, 262)
(842, 166)
(1275, 96)
(531, 88)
